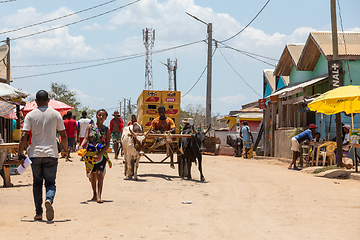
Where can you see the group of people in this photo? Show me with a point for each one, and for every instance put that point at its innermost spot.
(45, 123)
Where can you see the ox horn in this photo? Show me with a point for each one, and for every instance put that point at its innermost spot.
(131, 132)
(208, 129)
(194, 130)
(147, 133)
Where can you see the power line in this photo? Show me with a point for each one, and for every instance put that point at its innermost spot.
(250, 55)
(239, 74)
(100, 64)
(7, 1)
(54, 19)
(342, 28)
(82, 20)
(247, 24)
(199, 77)
(102, 59)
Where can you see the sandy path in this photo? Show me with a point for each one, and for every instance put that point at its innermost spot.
(242, 199)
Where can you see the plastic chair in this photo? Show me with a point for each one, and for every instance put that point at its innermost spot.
(329, 152)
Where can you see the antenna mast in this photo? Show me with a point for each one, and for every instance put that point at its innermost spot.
(148, 38)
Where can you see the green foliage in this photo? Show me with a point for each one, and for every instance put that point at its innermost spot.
(294, 132)
(60, 92)
(327, 168)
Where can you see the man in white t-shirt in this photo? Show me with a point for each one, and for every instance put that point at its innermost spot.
(43, 122)
(82, 125)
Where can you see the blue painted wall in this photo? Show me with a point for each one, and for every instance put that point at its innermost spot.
(281, 83)
(267, 90)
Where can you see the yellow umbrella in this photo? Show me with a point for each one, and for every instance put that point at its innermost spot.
(341, 99)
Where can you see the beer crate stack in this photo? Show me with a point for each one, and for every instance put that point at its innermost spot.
(149, 101)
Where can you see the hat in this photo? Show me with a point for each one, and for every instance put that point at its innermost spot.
(311, 126)
(116, 113)
(185, 120)
(347, 126)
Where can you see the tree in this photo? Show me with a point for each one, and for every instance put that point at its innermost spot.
(60, 92)
(198, 113)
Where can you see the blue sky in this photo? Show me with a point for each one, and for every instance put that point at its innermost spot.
(120, 34)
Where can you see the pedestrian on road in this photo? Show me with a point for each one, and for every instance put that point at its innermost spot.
(133, 120)
(116, 130)
(82, 124)
(97, 142)
(305, 136)
(247, 137)
(43, 122)
(70, 127)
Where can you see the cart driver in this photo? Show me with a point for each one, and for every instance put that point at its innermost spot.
(164, 124)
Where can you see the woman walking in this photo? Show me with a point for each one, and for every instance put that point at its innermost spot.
(97, 141)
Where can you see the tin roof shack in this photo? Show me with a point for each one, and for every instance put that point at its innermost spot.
(307, 69)
(231, 124)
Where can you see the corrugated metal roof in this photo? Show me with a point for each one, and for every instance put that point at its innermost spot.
(321, 43)
(271, 79)
(285, 90)
(288, 59)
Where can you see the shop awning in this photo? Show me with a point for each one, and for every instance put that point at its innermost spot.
(8, 91)
(293, 89)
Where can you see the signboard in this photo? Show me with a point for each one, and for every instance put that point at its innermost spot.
(274, 99)
(262, 103)
(335, 73)
(354, 136)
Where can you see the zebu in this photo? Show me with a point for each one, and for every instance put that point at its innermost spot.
(133, 144)
(191, 150)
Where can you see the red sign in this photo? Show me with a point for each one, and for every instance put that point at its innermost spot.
(152, 112)
(170, 99)
(171, 111)
(148, 124)
(152, 99)
(262, 103)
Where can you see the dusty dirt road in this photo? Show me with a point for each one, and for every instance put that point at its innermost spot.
(242, 199)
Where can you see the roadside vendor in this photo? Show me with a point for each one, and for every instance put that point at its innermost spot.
(163, 124)
(305, 136)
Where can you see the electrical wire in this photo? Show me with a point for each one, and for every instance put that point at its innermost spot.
(54, 19)
(239, 74)
(7, 1)
(247, 24)
(250, 55)
(69, 24)
(101, 64)
(199, 77)
(342, 28)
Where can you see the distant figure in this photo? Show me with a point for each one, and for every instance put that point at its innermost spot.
(305, 136)
(43, 122)
(70, 126)
(187, 127)
(133, 120)
(82, 125)
(247, 137)
(116, 129)
(97, 142)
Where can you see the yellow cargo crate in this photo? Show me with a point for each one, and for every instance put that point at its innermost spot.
(170, 97)
(148, 97)
(148, 109)
(172, 109)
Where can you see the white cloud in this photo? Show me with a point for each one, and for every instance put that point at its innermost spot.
(87, 100)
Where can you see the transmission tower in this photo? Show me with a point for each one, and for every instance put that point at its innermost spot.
(172, 66)
(148, 38)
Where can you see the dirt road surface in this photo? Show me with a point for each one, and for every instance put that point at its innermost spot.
(241, 199)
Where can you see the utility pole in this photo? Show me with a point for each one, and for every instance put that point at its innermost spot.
(171, 66)
(209, 73)
(336, 57)
(124, 116)
(209, 69)
(8, 62)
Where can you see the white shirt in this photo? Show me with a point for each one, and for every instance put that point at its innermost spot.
(346, 138)
(43, 122)
(82, 124)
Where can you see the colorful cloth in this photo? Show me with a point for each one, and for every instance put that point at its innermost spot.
(163, 124)
(97, 141)
(116, 136)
